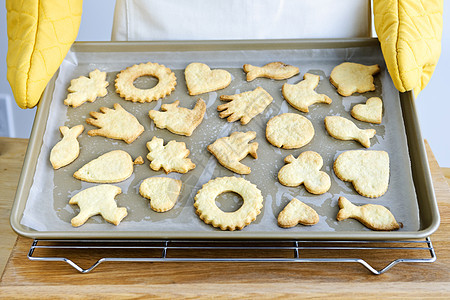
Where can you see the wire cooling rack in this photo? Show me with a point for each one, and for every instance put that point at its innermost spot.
(291, 251)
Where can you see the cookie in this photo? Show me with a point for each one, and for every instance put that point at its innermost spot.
(208, 211)
(373, 216)
(84, 89)
(244, 106)
(230, 150)
(125, 82)
(111, 167)
(289, 131)
(367, 170)
(201, 79)
(115, 123)
(344, 129)
(302, 94)
(161, 191)
(179, 120)
(370, 112)
(274, 70)
(350, 77)
(98, 200)
(305, 170)
(68, 148)
(297, 212)
(171, 157)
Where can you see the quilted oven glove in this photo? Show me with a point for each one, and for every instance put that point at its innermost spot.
(410, 34)
(40, 34)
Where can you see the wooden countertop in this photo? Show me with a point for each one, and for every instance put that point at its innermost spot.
(29, 279)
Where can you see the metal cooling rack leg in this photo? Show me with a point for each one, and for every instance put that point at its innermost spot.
(166, 246)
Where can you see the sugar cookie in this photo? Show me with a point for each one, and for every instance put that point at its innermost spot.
(230, 150)
(297, 212)
(289, 131)
(370, 112)
(171, 157)
(115, 123)
(201, 79)
(111, 167)
(302, 94)
(179, 120)
(274, 70)
(373, 216)
(68, 148)
(125, 82)
(161, 191)
(305, 170)
(344, 129)
(245, 105)
(98, 200)
(211, 214)
(84, 89)
(350, 77)
(368, 170)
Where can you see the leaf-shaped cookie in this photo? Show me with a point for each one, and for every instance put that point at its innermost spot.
(115, 123)
(344, 129)
(231, 149)
(305, 170)
(302, 94)
(161, 191)
(201, 79)
(179, 120)
(171, 157)
(368, 170)
(371, 112)
(114, 166)
(66, 150)
(98, 200)
(84, 89)
(350, 77)
(245, 105)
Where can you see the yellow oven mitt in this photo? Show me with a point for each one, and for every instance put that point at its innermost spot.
(40, 34)
(410, 34)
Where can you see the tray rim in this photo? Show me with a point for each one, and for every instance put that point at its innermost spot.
(414, 137)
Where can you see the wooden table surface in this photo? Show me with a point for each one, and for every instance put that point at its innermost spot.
(29, 279)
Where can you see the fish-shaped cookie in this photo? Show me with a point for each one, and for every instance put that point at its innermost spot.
(68, 148)
(373, 216)
(274, 70)
(344, 129)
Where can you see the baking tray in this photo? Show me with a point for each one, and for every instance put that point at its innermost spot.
(43, 194)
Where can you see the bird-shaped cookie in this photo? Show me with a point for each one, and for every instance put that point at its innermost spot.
(179, 120)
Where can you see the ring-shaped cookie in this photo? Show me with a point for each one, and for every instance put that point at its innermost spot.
(125, 82)
(211, 214)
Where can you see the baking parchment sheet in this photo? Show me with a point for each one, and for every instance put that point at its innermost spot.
(47, 207)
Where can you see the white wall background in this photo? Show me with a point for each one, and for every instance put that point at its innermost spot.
(433, 103)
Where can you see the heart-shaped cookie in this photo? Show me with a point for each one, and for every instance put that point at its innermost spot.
(201, 79)
(370, 112)
(367, 170)
(162, 191)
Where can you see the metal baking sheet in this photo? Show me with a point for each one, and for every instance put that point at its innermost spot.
(41, 208)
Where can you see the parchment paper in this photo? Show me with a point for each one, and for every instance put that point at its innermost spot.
(47, 206)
